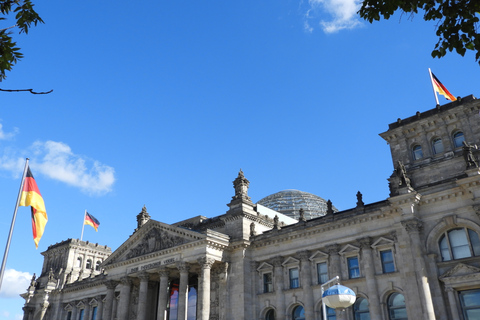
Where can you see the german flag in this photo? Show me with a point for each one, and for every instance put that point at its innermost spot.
(440, 88)
(91, 221)
(31, 197)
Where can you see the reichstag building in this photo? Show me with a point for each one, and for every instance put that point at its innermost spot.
(414, 255)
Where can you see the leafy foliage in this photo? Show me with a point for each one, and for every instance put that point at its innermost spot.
(25, 16)
(457, 27)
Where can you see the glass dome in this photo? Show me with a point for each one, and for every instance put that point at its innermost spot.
(289, 202)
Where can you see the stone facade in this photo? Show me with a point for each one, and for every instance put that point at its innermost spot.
(415, 255)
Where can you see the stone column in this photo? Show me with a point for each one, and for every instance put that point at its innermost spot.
(74, 310)
(87, 309)
(370, 279)
(334, 265)
(99, 307)
(279, 285)
(107, 310)
(453, 303)
(254, 285)
(182, 290)
(204, 288)
(306, 282)
(124, 302)
(142, 296)
(414, 227)
(162, 294)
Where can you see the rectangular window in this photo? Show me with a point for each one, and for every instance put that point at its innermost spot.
(387, 261)
(470, 302)
(353, 268)
(69, 315)
(267, 282)
(94, 313)
(322, 272)
(294, 281)
(82, 311)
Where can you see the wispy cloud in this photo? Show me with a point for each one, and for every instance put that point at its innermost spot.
(57, 161)
(14, 283)
(4, 135)
(332, 15)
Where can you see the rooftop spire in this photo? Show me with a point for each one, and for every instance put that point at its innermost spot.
(241, 187)
(142, 217)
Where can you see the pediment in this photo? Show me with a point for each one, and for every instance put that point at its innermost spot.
(383, 242)
(318, 255)
(349, 249)
(264, 266)
(290, 261)
(460, 270)
(152, 237)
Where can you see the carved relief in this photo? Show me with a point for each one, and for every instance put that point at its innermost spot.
(155, 240)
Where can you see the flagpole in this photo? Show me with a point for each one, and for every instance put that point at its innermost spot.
(83, 224)
(7, 247)
(433, 87)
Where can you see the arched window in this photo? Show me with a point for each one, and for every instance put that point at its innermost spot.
(459, 243)
(298, 313)
(79, 262)
(396, 307)
(89, 264)
(331, 314)
(270, 315)
(417, 152)
(97, 265)
(458, 139)
(437, 146)
(360, 309)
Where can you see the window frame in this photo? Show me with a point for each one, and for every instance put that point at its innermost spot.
(435, 142)
(293, 283)
(454, 138)
(319, 275)
(417, 152)
(267, 286)
(351, 268)
(357, 312)
(445, 246)
(464, 308)
(390, 307)
(384, 263)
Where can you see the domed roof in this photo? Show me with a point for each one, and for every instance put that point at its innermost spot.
(289, 202)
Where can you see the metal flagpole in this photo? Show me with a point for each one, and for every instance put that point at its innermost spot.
(83, 224)
(433, 86)
(7, 247)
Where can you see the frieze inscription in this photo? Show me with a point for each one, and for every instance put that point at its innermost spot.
(153, 265)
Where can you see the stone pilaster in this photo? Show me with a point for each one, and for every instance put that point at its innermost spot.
(108, 308)
(204, 288)
(183, 267)
(334, 261)
(124, 302)
(414, 226)
(306, 281)
(279, 285)
(142, 296)
(162, 294)
(99, 308)
(452, 303)
(371, 280)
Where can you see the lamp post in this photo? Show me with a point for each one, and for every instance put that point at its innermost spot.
(337, 296)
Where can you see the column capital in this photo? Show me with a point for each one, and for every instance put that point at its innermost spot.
(182, 266)
(144, 276)
(111, 284)
(277, 261)
(126, 281)
(206, 262)
(163, 272)
(304, 255)
(365, 243)
(332, 249)
(413, 225)
(449, 289)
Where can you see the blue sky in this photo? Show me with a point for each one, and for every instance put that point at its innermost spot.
(162, 102)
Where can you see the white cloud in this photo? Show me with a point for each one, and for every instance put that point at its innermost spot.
(342, 14)
(6, 136)
(14, 283)
(57, 161)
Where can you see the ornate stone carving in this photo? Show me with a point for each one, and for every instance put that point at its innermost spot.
(241, 187)
(302, 215)
(304, 255)
(403, 180)
(183, 266)
(206, 262)
(163, 272)
(329, 207)
(412, 225)
(276, 225)
(333, 249)
(470, 160)
(155, 240)
(365, 243)
(252, 229)
(360, 202)
(277, 262)
(142, 217)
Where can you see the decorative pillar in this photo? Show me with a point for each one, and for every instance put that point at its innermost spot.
(279, 285)
(74, 310)
(99, 307)
(86, 310)
(306, 282)
(371, 280)
(334, 261)
(142, 296)
(124, 302)
(414, 227)
(453, 303)
(182, 290)
(162, 294)
(204, 287)
(107, 310)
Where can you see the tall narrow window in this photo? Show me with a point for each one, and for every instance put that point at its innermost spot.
(396, 307)
(437, 146)
(270, 315)
(322, 272)
(298, 313)
(360, 309)
(353, 267)
(89, 264)
(387, 261)
(94, 313)
(172, 307)
(459, 243)
(294, 281)
(82, 313)
(97, 265)
(470, 302)
(458, 139)
(79, 262)
(192, 303)
(69, 315)
(267, 282)
(417, 152)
